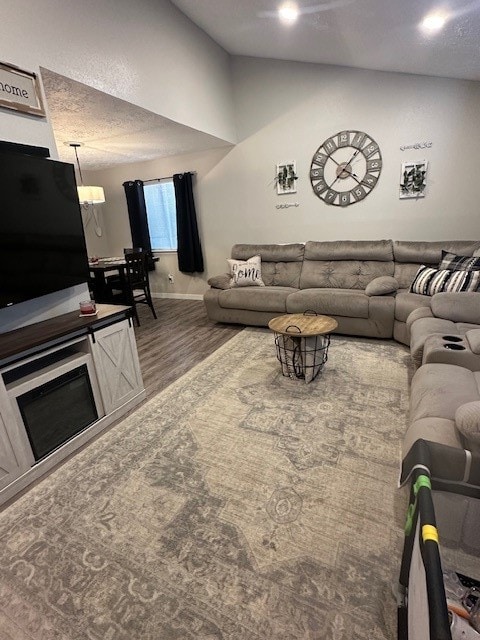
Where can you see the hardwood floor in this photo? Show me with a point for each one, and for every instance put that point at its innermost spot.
(180, 338)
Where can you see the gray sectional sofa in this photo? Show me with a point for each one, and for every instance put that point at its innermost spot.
(364, 285)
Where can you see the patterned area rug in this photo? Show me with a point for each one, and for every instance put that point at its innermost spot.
(237, 504)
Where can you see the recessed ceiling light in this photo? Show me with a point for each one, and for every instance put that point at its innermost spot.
(288, 13)
(433, 22)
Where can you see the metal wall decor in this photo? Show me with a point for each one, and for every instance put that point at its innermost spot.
(287, 205)
(345, 168)
(416, 146)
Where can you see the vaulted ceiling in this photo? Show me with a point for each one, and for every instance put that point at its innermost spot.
(371, 34)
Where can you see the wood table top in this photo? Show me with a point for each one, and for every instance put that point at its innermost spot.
(302, 325)
(34, 335)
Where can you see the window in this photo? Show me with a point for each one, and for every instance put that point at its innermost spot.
(161, 215)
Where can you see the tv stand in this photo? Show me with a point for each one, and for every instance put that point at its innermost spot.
(102, 348)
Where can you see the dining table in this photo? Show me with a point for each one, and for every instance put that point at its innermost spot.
(106, 272)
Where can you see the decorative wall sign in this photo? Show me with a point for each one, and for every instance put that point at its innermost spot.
(20, 90)
(287, 205)
(345, 168)
(413, 179)
(417, 145)
(286, 178)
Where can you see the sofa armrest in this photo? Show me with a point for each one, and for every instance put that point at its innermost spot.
(416, 314)
(467, 421)
(462, 306)
(381, 286)
(223, 281)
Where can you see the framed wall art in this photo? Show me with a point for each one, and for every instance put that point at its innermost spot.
(413, 179)
(286, 178)
(20, 90)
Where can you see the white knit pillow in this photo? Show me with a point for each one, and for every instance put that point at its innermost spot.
(467, 420)
(246, 273)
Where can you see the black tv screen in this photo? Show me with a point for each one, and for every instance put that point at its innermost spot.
(42, 243)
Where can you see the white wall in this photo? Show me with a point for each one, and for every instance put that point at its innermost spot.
(284, 112)
(145, 52)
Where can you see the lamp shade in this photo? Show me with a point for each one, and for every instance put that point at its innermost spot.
(92, 195)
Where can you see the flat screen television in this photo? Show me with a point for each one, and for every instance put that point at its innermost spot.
(42, 243)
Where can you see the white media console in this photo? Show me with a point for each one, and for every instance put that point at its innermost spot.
(62, 381)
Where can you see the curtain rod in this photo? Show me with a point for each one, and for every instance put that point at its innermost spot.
(168, 177)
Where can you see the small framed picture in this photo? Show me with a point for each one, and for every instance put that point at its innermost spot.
(286, 178)
(413, 179)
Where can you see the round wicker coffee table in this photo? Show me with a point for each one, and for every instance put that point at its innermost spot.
(302, 341)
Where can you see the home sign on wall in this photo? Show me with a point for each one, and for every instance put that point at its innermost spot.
(346, 168)
(20, 90)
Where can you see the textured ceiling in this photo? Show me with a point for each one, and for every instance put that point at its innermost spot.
(112, 131)
(371, 34)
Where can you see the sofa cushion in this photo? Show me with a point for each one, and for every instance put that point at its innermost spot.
(467, 420)
(268, 299)
(429, 281)
(342, 274)
(441, 430)
(431, 252)
(345, 264)
(281, 274)
(376, 250)
(459, 263)
(281, 263)
(270, 252)
(406, 302)
(459, 307)
(439, 389)
(410, 255)
(381, 286)
(335, 302)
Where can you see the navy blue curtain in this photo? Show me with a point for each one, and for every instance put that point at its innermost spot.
(189, 252)
(137, 213)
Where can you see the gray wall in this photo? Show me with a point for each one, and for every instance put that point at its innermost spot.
(284, 112)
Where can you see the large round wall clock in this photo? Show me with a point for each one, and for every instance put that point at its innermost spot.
(345, 168)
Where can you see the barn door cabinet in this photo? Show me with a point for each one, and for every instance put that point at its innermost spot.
(116, 361)
(79, 374)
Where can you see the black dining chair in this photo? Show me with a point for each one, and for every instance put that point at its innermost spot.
(115, 281)
(132, 250)
(137, 283)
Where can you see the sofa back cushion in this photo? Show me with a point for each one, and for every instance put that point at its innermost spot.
(281, 263)
(457, 307)
(410, 255)
(346, 264)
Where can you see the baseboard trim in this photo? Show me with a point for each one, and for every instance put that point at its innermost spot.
(179, 296)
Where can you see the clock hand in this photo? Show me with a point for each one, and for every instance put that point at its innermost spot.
(344, 168)
(353, 156)
(353, 175)
(330, 186)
